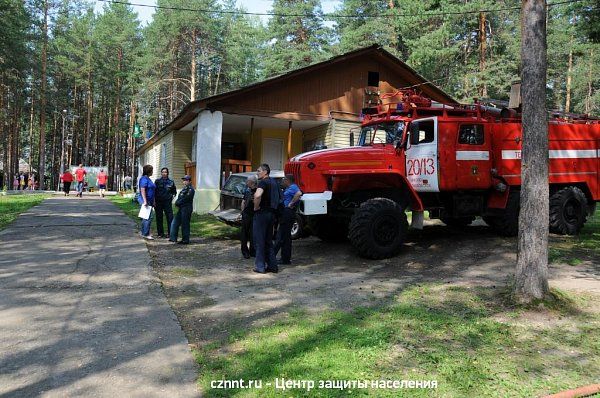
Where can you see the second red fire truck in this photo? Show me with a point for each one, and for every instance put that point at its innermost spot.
(456, 162)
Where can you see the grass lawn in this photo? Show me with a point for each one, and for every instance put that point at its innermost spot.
(13, 205)
(205, 226)
(574, 250)
(464, 338)
(471, 340)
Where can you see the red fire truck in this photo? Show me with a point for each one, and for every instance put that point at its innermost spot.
(456, 162)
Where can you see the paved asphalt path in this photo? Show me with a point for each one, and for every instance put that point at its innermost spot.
(81, 313)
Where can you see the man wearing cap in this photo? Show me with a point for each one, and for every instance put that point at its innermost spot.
(185, 203)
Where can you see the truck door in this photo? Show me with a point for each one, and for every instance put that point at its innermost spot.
(422, 155)
(473, 161)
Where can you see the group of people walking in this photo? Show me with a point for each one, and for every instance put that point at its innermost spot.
(265, 206)
(67, 179)
(158, 196)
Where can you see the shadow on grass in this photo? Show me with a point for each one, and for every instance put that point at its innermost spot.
(431, 332)
(202, 225)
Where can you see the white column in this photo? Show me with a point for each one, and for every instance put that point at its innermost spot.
(208, 161)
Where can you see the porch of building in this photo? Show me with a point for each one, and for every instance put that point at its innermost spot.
(249, 140)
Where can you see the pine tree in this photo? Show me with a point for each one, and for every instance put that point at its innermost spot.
(297, 36)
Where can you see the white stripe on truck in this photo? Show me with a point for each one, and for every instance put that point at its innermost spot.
(557, 154)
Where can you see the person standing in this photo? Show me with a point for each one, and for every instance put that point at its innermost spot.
(101, 180)
(16, 183)
(165, 191)
(266, 200)
(291, 196)
(21, 182)
(147, 190)
(247, 217)
(31, 183)
(67, 179)
(80, 174)
(127, 183)
(185, 203)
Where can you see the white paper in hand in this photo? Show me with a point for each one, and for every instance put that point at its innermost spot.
(145, 212)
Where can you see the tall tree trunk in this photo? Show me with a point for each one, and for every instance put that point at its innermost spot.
(531, 278)
(31, 113)
(74, 132)
(117, 126)
(588, 97)
(53, 157)
(88, 118)
(131, 142)
(569, 77)
(15, 133)
(42, 151)
(193, 67)
(3, 90)
(218, 78)
(482, 50)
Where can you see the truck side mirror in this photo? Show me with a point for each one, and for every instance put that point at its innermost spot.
(351, 138)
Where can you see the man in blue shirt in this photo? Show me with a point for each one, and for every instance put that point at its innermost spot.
(291, 196)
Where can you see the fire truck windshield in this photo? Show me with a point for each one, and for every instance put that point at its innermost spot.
(388, 133)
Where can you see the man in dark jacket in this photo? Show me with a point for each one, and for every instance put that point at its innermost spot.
(248, 217)
(185, 203)
(165, 191)
(266, 201)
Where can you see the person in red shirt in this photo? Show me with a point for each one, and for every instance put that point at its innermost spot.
(101, 182)
(80, 176)
(67, 179)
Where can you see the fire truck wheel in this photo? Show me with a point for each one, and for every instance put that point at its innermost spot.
(298, 228)
(508, 223)
(568, 211)
(328, 229)
(457, 222)
(378, 228)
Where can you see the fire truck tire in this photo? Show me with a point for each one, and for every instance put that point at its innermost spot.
(298, 230)
(378, 228)
(328, 229)
(457, 222)
(568, 211)
(508, 223)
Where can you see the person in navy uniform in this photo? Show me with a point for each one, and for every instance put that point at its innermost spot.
(165, 191)
(185, 203)
(247, 218)
(266, 201)
(291, 196)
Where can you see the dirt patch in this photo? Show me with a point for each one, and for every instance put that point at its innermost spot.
(214, 292)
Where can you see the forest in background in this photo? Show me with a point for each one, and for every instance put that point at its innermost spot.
(64, 67)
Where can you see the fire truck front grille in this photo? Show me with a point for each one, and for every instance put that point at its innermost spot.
(294, 169)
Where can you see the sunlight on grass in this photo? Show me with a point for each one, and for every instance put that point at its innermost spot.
(13, 205)
(571, 249)
(431, 332)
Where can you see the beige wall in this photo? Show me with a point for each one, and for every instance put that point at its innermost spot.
(261, 134)
(182, 153)
(152, 155)
(340, 132)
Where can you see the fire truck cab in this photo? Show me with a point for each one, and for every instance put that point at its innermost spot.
(456, 162)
